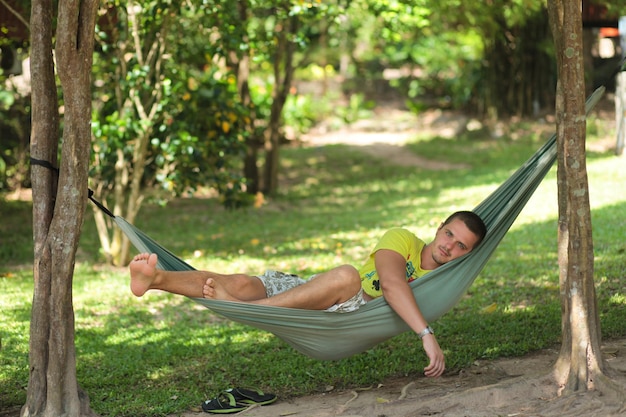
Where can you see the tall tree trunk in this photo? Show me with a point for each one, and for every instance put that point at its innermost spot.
(241, 65)
(58, 213)
(283, 76)
(580, 362)
(44, 142)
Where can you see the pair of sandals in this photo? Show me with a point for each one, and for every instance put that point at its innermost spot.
(234, 400)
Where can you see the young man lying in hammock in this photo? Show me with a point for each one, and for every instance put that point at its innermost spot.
(399, 258)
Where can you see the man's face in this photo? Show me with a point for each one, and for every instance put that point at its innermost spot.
(452, 241)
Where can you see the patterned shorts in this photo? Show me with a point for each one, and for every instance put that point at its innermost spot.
(276, 282)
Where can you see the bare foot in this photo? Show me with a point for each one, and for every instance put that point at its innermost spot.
(214, 290)
(142, 273)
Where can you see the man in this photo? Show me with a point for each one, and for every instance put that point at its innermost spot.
(399, 258)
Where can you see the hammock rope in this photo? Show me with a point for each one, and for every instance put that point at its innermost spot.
(331, 336)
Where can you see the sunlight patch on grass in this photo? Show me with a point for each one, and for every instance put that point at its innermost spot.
(160, 373)
(606, 176)
(465, 198)
(618, 299)
(541, 207)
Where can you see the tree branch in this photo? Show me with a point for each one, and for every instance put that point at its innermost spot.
(16, 14)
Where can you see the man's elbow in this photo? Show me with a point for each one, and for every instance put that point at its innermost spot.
(389, 290)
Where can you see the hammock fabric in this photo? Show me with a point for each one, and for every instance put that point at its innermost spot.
(331, 336)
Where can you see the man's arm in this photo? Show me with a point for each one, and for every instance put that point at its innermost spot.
(391, 268)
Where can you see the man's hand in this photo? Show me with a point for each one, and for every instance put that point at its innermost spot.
(437, 361)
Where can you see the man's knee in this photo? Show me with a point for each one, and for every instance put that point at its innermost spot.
(248, 287)
(348, 275)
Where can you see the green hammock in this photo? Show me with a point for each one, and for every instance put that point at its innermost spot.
(330, 336)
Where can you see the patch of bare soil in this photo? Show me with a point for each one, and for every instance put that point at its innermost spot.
(521, 387)
(386, 132)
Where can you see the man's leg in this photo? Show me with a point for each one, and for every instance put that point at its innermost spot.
(325, 290)
(145, 276)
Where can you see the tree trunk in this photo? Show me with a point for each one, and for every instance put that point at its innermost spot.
(283, 76)
(44, 138)
(53, 388)
(580, 364)
(620, 112)
(240, 62)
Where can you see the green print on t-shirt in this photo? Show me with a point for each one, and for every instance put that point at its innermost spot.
(410, 270)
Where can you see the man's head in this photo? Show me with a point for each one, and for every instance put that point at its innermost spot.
(473, 222)
(458, 234)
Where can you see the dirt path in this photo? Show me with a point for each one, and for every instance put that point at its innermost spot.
(520, 387)
(385, 134)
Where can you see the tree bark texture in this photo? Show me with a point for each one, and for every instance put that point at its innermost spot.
(283, 77)
(58, 203)
(240, 62)
(44, 139)
(580, 360)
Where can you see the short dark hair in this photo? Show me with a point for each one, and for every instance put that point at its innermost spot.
(473, 222)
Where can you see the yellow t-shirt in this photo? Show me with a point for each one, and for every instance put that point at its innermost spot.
(406, 244)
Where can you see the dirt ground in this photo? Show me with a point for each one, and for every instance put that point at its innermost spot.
(520, 387)
(384, 134)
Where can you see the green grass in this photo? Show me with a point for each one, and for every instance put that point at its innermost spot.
(164, 354)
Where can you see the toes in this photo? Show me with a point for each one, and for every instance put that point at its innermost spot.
(209, 288)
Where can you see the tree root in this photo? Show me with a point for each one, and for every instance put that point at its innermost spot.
(608, 399)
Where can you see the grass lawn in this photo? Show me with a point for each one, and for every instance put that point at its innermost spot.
(164, 354)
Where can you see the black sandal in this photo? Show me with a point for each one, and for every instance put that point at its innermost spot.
(224, 403)
(251, 396)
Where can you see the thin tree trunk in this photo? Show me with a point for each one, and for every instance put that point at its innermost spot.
(53, 388)
(241, 64)
(580, 363)
(283, 76)
(44, 142)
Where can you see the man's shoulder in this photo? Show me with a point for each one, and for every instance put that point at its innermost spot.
(402, 240)
(401, 233)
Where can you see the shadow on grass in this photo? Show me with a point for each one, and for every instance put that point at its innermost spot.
(16, 233)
